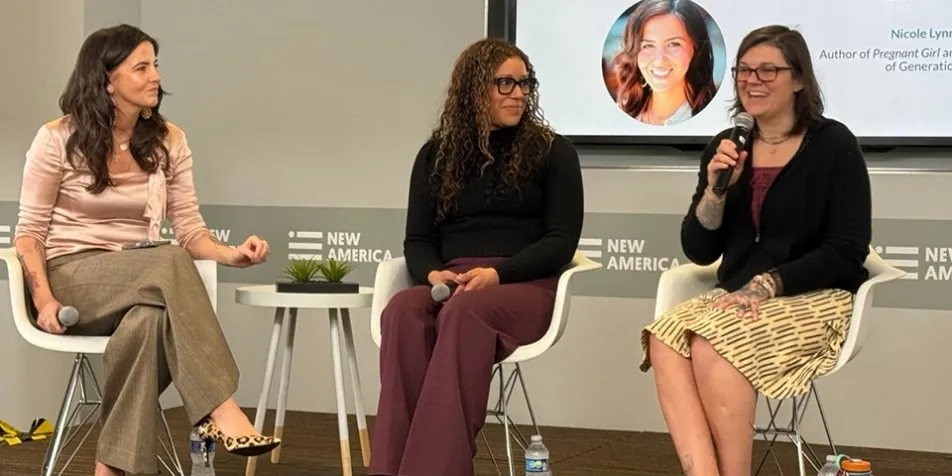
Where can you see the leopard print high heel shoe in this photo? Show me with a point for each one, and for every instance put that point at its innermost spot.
(241, 445)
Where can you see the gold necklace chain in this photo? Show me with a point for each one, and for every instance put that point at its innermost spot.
(122, 148)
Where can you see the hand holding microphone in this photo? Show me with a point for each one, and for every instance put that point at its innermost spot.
(446, 284)
(67, 316)
(727, 164)
(55, 318)
(443, 283)
(443, 291)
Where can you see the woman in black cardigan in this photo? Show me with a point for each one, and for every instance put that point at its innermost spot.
(793, 232)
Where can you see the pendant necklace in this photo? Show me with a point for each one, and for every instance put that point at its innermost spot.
(122, 148)
(773, 142)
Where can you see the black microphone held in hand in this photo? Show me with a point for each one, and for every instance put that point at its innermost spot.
(443, 291)
(67, 316)
(743, 125)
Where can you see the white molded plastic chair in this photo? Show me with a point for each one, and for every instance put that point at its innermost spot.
(689, 280)
(393, 277)
(82, 374)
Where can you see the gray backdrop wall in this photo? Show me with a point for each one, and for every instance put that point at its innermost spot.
(305, 118)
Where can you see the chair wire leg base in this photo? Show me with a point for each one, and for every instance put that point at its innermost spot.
(66, 427)
(83, 381)
(174, 465)
(772, 432)
(507, 384)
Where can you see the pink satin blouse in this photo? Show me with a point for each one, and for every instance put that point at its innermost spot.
(56, 209)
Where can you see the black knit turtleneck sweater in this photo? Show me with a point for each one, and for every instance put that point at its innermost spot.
(536, 227)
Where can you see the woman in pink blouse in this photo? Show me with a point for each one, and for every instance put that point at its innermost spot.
(105, 175)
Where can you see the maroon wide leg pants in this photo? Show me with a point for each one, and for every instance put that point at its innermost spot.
(436, 364)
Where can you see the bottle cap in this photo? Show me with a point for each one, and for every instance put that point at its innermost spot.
(536, 438)
(856, 465)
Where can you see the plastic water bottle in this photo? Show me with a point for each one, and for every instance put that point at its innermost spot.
(831, 468)
(537, 458)
(201, 465)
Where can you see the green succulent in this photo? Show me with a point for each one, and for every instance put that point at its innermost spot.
(334, 271)
(302, 270)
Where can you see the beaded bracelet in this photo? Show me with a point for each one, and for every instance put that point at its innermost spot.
(766, 281)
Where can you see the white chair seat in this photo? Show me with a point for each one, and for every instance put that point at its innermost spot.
(686, 281)
(393, 276)
(90, 345)
(70, 344)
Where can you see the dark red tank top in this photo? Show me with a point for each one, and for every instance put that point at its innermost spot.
(760, 182)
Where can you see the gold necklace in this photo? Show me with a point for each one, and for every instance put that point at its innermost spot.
(775, 140)
(773, 143)
(122, 148)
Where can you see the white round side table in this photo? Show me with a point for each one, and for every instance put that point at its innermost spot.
(338, 308)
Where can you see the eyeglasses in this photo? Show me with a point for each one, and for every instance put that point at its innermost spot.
(764, 73)
(506, 86)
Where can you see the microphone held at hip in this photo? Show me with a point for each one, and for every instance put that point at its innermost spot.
(443, 291)
(743, 125)
(67, 316)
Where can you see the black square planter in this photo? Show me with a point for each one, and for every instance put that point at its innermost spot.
(318, 287)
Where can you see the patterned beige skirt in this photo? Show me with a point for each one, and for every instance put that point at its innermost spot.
(794, 340)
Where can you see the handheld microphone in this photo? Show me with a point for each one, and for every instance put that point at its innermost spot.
(67, 316)
(443, 291)
(743, 125)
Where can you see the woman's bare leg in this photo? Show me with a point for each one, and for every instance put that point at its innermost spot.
(683, 413)
(730, 404)
(232, 421)
(103, 470)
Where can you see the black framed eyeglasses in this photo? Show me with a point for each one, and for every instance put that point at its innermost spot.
(764, 73)
(506, 86)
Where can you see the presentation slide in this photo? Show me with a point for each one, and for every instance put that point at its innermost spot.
(884, 66)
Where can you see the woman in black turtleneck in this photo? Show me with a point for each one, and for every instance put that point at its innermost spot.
(496, 206)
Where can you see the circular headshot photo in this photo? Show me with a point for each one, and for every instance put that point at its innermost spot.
(663, 61)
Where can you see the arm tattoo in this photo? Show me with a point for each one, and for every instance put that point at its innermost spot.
(710, 210)
(27, 274)
(754, 289)
(31, 278)
(215, 240)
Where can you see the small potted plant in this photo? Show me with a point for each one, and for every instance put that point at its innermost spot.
(302, 276)
(334, 273)
(315, 277)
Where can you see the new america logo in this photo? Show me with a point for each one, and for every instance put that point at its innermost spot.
(336, 245)
(624, 254)
(928, 263)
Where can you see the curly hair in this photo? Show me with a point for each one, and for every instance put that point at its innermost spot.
(92, 113)
(462, 135)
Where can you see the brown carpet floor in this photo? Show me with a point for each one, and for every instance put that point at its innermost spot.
(311, 448)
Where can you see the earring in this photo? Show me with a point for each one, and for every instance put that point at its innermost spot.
(147, 113)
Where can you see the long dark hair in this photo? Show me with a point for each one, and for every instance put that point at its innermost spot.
(462, 134)
(92, 113)
(808, 103)
(633, 94)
